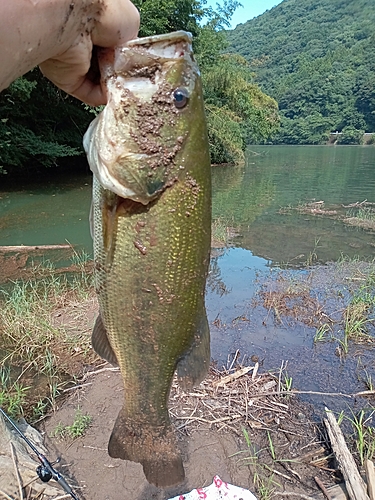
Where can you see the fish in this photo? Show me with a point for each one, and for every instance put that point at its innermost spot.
(151, 226)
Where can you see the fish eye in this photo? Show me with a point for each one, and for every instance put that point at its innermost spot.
(180, 97)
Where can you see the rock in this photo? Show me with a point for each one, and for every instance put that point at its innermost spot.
(25, 461)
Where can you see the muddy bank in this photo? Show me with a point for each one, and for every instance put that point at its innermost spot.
(207, 448)
(271, 439)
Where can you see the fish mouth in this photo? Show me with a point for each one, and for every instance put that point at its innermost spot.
(169, 46)
(135, 149)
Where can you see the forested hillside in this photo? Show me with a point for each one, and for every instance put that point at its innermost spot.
(316, 58)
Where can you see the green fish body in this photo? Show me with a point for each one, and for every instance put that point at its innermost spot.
(151, 220)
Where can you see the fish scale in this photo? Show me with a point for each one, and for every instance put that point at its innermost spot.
(151, 250)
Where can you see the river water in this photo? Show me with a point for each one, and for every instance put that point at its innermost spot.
(246, 197)
(262, 240)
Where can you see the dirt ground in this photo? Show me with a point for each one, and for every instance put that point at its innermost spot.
(251, 431)
(99, 477)
(207, 449)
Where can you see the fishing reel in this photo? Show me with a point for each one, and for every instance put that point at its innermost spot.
(44, 474)
(44, 471)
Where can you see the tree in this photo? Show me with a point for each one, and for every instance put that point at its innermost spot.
(165, 16)
(237, 111)
(350, 135)
(38, 124)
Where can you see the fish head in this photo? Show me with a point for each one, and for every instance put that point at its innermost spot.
(135, 146)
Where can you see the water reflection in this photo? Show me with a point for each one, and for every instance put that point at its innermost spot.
(248, 197)
(279, 176)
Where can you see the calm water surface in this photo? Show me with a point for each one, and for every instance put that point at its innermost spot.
(247, 199)
(282, 176)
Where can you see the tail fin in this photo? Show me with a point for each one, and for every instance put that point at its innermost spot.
(154, 447)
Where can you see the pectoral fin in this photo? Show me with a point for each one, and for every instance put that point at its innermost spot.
(101, 344)
(193, 367)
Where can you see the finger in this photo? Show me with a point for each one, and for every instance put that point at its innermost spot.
(118, 23)
(90, 93)
(70, 66)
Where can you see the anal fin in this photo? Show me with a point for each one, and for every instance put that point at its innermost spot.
(100, 342)
(193, 367)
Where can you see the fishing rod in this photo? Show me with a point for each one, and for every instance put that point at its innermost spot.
(45, 471)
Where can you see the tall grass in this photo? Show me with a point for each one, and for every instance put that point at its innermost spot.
(357, 314)
(33, 343)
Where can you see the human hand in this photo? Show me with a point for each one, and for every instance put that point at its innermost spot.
(116, 22)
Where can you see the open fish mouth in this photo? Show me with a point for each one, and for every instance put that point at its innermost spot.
(138, 151)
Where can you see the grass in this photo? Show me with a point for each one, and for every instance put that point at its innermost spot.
(313, 256)
(357, 313)
(322, 333)
(364, 434)
(271, 446)
(77, 429)
(288, 381)
(365, 213)
(13, 397)
(342, 311)
(363, 216)
(264, 482)
(35, 345)
(366, 379)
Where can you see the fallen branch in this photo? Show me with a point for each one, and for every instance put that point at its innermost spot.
(354, 483)
(233, 376)
(79, 386)
(364, 393)
(211, 422)
(316, 393)
(323, 488)
(31, 248)
(370, 475)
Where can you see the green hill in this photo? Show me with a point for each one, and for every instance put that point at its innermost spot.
(316, 58)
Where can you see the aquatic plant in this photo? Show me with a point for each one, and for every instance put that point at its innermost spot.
(364, 433)
(321, 333)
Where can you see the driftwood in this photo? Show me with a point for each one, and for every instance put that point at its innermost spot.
(355, 485)
(32, 248)
(370, 474)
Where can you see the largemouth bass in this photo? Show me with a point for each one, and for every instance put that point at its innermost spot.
(151, 221)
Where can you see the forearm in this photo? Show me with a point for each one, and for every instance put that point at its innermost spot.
(59, 35)
(33, 31)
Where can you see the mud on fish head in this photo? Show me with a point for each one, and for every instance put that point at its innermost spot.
(135, 146)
